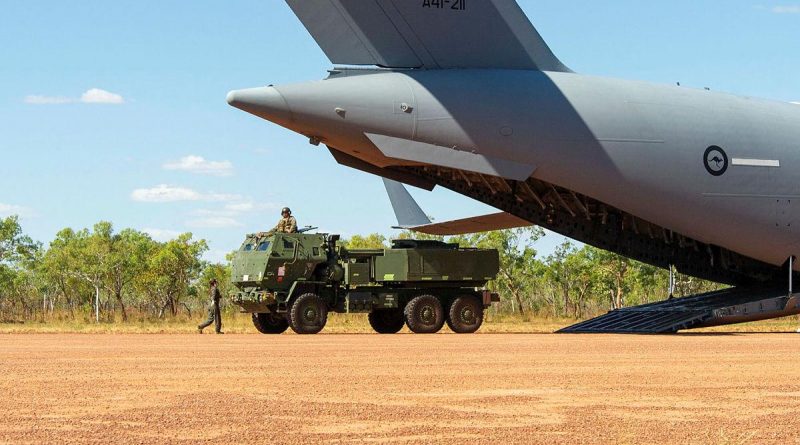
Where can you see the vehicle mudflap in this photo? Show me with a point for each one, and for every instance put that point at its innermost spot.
(489, 297)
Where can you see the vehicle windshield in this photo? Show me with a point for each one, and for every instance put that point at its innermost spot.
(263, 246)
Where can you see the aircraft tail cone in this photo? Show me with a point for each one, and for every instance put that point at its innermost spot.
(266, 103)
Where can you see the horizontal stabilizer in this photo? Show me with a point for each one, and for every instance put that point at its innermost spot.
(432, 34)
(409, 150)
(411, 217)
(476, 224)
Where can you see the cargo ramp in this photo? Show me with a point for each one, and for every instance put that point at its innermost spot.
(729, 306)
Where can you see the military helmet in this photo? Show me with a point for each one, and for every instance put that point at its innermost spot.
(286, 210)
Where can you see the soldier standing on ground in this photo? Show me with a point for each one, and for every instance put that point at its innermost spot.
(287, 223)
(214, 315)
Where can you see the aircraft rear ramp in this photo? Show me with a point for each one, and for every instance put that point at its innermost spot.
(729, 306)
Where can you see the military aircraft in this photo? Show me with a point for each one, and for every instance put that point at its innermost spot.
(466, 95)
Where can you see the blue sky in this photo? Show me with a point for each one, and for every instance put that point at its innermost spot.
(116, 110)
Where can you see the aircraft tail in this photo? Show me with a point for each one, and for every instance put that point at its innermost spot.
(431, 34)
(411, 217)
(406, 209)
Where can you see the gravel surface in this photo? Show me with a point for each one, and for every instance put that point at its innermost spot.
(550, 389)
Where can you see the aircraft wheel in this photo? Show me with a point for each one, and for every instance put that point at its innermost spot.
(270, 323)
(387, 321)
(465, 315)
(424, 315)
(308, 314)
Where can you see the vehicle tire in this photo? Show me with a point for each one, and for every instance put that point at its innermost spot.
(270, 323)
(387, 321)
(465, 315)
(308, 314)
(424, 315)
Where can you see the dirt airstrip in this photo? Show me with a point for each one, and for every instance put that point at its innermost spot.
(182, 389)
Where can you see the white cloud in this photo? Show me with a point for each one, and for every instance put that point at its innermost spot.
(162, 235)
(199, 165)
(10, 209)
(246, 206)
(786, 9)
(98, 96)
(250, 206)
(796, 103)
(226, 215)
(47, 100)
(221, 197)
(91, 96)
(165, 193)
(214, 222)
(236, 208)
(214, 213)
(168, 193)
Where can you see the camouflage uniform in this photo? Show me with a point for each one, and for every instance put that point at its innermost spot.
(286, 225)
(214, 315)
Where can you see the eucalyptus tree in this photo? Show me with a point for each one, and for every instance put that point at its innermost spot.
(18, 253)
(371, 241)
(170, 271)
(59, 265)
(127, 258)
(89, 252)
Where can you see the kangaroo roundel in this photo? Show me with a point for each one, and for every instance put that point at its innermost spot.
(716, 161)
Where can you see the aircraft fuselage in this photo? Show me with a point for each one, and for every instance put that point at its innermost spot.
(716, 168)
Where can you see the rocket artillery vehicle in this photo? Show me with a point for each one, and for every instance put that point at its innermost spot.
(294, 280)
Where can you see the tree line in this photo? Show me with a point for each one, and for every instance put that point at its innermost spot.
(101, 274)
(105, 275)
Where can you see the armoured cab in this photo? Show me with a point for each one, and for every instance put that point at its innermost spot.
(275, 261)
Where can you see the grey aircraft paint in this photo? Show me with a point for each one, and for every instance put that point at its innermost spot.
(664, 174)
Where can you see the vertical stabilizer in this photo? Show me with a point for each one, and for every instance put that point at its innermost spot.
(431, 34)
(407, 211)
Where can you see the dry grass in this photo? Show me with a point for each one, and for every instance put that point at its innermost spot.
(337, 324)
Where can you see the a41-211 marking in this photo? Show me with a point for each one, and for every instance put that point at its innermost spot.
(458, 5)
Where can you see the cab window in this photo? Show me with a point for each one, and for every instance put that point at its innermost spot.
(263, 246)
(288, 244)
(248, 247)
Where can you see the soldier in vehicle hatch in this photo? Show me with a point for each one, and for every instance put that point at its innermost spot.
(287, 223)
(214, 315)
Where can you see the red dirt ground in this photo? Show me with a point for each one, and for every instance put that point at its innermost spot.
(133, 389)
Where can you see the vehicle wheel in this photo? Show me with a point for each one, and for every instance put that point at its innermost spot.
(465, 315)
(308, 314)
(424, 315)
(386, 321)
(270, 323)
